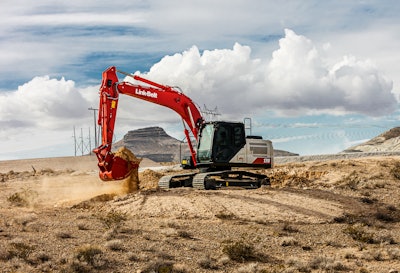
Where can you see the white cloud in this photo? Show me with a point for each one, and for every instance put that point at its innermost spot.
(297, 80)
(304, 81)
(43, 103)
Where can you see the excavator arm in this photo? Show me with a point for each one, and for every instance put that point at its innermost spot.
(114, 167)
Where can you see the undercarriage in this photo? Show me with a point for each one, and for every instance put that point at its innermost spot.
(215, 180)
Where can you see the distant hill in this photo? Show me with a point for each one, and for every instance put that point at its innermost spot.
(389, 141)
(155, 144)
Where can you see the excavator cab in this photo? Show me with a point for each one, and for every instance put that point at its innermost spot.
(219, 142)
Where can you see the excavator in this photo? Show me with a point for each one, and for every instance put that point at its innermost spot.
(220, 150)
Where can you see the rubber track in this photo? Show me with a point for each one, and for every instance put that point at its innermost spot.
(198, 181)
(164, 182)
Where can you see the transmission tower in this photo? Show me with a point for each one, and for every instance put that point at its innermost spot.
(211, 114)
(82, 145)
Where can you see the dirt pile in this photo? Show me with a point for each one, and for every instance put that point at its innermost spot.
(131, 183)
(149, 179)
(294, 177)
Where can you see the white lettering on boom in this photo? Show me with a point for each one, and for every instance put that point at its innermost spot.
(146, 93)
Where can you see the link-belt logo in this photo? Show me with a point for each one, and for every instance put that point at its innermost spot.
(146, 93)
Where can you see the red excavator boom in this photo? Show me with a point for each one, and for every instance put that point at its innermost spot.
(113, 167)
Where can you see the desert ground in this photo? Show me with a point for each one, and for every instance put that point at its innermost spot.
(317, 216)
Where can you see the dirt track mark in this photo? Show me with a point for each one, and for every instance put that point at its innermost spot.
(268, 205)
(304, 210)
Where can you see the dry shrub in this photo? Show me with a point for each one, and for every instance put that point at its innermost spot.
(394, 253)
(185, 234)
(225, 216)
(5, 254)
(82, 226)
(110, 234)
(357, 233)
(86, 258)
(159, 266)
(351, 181)
(375, 255)
(240, 251)
(251, 268)
(63, 235)
(20, 249)
(113, 218)
(40, 257)
(208, 263)
(115, 245)
(25, 219)
(289, 241)
(395, 171)
(23, 198)
(388, 214)
(289, 228)
(327, 264)
(180, 268)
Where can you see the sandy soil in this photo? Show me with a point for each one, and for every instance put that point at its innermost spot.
(330, 216)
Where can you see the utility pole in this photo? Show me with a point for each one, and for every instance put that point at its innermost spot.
(95, 125)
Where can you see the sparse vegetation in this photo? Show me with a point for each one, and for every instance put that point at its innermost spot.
(338, 216)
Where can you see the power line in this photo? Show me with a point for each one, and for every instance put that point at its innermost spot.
(211, 114)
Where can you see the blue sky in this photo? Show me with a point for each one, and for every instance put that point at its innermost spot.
(314, 76)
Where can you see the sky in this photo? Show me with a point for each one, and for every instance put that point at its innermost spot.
(315, 77)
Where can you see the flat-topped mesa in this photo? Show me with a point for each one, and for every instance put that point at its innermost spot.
(145, 133)
(153, 143)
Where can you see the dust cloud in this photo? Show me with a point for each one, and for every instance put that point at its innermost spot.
(65, 190)
(71, 188)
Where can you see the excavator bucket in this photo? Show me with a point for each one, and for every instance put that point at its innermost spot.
(119, 165)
